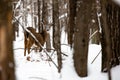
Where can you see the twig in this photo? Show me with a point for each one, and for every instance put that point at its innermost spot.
(18, 48)
(65, 44)
(49, 49)
(93, 34)
(55, 50)
(65, 54)
(39, 78)
(96, 56)
(50, 58)
(52, 53)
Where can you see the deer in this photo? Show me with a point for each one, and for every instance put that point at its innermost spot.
(29, 41)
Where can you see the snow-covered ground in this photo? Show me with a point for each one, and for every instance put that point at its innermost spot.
(38, 69)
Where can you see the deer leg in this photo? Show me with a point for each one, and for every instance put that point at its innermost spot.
(29, 46)
(28, 50)
(25, 52)
(25, 46)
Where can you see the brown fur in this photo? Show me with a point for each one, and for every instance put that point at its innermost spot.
(29, 40)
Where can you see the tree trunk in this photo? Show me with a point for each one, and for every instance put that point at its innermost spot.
(72, 8)
(106, 45)
(48, 44)
(6, 52)
(3, 54)
(56, 33)
(81, 37)
(45, 24)
(43, 14)
(39, 17)
(112, 17)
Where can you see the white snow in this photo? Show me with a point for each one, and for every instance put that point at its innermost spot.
(38, 69)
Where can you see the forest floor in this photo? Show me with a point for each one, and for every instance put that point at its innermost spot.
(39, 68)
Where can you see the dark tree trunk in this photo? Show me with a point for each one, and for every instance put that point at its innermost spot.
(81, 37)
(43, 14)
(118, 38)
(6, 52)
(72, 8)
(39, 16)
(106, 40)
(56, 33)
(112, 17)
(48, 43)
(45, 24)
(35, 22)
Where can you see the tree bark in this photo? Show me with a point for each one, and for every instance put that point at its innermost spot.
(48, 44)
(72, 9)
(6, 52)
(56, 33)
(39, 17)
(45, 24)
(81, 37)
(106, 52)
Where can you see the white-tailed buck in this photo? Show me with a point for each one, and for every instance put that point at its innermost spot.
(29, 41)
